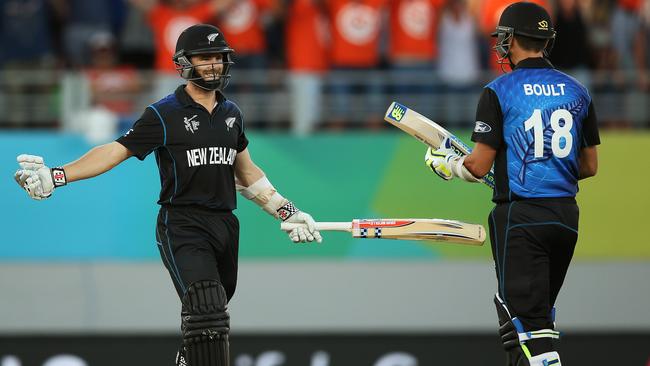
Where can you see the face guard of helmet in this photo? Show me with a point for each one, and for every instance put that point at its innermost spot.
(526, 20)
(203, 39)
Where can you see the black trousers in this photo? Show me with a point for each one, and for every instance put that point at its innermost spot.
(532, 245)
(198, 244)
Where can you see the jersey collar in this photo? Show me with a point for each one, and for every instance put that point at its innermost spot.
(187, 101)
(534, 63)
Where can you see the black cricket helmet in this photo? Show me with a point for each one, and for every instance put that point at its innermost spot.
(523, 19)
(202, 39)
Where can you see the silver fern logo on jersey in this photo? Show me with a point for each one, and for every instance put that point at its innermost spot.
(230, 121)
(482, 127)
(191, 124)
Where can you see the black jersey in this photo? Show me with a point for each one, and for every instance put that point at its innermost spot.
(195, 150)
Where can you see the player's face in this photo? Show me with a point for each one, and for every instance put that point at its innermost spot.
(208, 66)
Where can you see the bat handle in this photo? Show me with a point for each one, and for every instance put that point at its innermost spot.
(332, 226)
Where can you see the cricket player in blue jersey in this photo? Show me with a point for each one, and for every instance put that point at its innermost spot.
(538, 127)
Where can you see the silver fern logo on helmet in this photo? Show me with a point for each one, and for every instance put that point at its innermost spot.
(212, 37)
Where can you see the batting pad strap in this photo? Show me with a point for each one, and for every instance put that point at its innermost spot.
(545, 359)
(460, 171)
(534, 334)
(58, 177)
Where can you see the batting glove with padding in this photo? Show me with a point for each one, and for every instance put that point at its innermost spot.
(36, 178)
(439, 161)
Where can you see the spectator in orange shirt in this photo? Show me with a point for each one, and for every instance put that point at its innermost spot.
(168, 18)
(243, 25)
(413, 49)
(490, 12)
(356, 26)
(306, 42)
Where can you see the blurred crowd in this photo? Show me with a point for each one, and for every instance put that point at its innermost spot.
(605, 43)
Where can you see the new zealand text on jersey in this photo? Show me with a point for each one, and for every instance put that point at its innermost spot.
(213, 155)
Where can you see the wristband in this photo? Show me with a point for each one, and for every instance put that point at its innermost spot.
(286, 211)
(58, 177)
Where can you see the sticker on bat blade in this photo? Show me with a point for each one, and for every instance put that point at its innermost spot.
(460, 145)
(397, 112)
(383, 223)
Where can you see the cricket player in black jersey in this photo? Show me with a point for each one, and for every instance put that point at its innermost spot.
(200, 146)
(538, 127)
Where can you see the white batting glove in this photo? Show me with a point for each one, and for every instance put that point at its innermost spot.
(27, 164)
(439, 161)
(36, 178)
(21, 176)
(30, 162)
(31, 183)
(303, 234)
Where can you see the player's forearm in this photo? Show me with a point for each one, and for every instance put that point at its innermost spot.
(478, 170)
(588, 162)
(587, 171)
(251, 174)
(480, 161)
(98, 160)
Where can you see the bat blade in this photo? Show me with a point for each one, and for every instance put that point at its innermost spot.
(433, 230)
(419, 229)
(428, 132)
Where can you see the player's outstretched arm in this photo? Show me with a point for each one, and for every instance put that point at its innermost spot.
(40, 181)
(253, 185)
(98, 160)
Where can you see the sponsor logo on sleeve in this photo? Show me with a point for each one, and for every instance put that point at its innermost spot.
(482, 127)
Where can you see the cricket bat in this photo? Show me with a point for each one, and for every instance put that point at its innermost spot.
(435, 230)
(428, 132)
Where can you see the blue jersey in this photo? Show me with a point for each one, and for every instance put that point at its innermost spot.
(538, 119)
